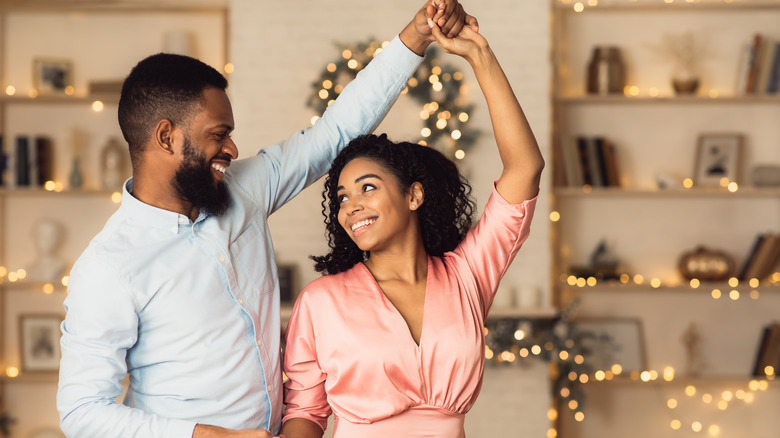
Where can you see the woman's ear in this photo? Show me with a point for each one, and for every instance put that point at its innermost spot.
(416, 195)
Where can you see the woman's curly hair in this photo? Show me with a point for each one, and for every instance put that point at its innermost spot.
(445, 215)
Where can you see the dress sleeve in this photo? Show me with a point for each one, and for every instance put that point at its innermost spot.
(304, 389)
(489, 248)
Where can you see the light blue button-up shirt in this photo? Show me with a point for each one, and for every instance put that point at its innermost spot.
(190, 310)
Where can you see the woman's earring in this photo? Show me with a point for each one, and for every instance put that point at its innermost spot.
(414, 206)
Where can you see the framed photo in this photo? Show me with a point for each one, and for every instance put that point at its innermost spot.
(40, 342)
(607, 342)
(52, 76)
(717, 157)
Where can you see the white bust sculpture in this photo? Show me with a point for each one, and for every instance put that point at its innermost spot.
(47, 268)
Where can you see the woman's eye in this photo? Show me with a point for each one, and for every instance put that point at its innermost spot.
(368, 187)
(342, 199)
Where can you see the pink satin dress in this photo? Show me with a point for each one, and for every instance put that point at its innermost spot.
(350, 352)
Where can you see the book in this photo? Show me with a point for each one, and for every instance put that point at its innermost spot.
(595, 163)
(752, 72)
(743, 67)
(582, 155)
(750, 256)
(773, 82)
(611, 164)
(768, 351)
(599, 144)
(762, 345)
(764, 257)
(764, 65)
(571, 164)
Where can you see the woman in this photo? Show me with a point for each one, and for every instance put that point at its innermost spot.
(391, 339)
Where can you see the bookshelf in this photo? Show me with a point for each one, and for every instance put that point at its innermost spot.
(646, 228)
(33, 29)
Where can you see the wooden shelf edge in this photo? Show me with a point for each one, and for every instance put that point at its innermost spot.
(704, 288)
(38, 191)
(32, 377)
(616, 192)
(61, 99)
(645, 100)
(660, 6)
(685, 380)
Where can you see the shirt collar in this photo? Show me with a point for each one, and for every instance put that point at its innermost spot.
(148, 215)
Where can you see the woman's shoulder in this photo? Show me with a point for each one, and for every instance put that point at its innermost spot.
(331, 284)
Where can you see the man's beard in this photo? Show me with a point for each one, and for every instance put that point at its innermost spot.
(195, 182)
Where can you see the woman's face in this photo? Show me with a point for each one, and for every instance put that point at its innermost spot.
(373, 210)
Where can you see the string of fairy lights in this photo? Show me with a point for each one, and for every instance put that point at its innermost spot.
(557, 341)
(439, 88)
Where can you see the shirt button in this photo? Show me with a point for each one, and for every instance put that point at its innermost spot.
(268, 388)
(259, 343)
(221, 258)
(182, 220)
(240, 301)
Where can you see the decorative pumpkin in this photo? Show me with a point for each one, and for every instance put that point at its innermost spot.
(706, 265)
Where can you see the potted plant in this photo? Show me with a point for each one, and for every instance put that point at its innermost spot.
(685, 52)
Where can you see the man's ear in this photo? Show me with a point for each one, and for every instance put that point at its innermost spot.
(416, 195)
(163, 136)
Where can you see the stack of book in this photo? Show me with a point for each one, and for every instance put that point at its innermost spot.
(590, 161)
(768, 354)
(759, 67)
(763, 257)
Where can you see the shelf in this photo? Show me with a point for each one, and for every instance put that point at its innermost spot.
(42, 377)
(679, 381)
(38, 191)
(716, 192)
(661, 5)
(704, 288)
(60, 99)
(32, 287)
(114, 5)
(648, 100)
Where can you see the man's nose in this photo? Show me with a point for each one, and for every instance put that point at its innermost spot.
(230, 149)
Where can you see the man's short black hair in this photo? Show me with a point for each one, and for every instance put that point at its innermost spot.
(162, 86)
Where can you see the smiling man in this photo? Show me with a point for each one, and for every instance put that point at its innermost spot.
(179, 291)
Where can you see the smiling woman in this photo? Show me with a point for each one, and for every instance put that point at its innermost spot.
(410, 282)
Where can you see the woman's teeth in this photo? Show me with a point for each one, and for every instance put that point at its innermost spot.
(363, 223)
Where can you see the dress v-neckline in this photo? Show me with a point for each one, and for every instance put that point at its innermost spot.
(398, 314)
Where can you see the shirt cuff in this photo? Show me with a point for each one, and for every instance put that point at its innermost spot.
(180, 428)
(403, 58)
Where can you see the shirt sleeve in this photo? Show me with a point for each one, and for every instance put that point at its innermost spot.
(293, 164)
(304, 391)
(489, 247)
(101, 324)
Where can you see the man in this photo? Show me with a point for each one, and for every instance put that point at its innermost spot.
(179, 290)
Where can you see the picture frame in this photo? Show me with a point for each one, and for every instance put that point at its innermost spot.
(606, 342)
(40, 342)
(52, 76)
(718, 156)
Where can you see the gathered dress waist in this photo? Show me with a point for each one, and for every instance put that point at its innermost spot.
(416, 422)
